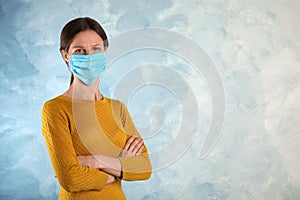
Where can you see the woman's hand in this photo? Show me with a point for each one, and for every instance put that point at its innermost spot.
(133, 147)
(111, 179)
(90, 161)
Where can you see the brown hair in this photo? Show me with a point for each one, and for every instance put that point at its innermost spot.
(76, 26)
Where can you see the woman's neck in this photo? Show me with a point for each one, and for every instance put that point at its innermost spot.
(83, 92)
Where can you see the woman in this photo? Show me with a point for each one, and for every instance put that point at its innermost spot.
(91, 139)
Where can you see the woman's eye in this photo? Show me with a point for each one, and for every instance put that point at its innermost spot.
(79, 51)
(97, 49)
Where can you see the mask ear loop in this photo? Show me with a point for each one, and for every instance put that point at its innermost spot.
(68, 64)
(105, 70)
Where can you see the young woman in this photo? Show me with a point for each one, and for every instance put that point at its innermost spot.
(91, 139)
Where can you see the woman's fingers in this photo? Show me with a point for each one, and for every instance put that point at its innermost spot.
(140, 150)
(136, 145)
(110, 179)
(128, 142)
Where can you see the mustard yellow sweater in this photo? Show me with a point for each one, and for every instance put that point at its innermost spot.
(73, 127)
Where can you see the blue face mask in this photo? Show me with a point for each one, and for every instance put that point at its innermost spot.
(88, 67)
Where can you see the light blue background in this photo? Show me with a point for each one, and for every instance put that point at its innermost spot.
(255, 47)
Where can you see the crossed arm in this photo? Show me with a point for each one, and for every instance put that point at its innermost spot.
(81, 173)
(112, 165)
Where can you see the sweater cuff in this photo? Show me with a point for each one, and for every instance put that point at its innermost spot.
(121, 174)
(135, 168)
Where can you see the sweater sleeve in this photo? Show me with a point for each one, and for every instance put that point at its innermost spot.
(138, 167)
(71, 176)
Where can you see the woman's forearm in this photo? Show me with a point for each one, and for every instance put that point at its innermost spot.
(113, 165)
(108, 164)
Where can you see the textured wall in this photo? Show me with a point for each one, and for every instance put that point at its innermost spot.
(253, 45)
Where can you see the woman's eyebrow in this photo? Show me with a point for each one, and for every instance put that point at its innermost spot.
(78, 47)
(82, 47)
(98, 44)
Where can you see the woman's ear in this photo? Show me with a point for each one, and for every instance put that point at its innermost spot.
(65, 56)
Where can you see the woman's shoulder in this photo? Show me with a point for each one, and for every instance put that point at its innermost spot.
(54, 100)
(56, 103)
(116, 103)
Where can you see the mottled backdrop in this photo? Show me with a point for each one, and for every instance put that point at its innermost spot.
(255, 48)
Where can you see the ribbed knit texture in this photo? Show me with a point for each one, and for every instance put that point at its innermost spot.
(80, 127)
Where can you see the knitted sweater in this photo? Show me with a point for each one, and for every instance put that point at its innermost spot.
(73, 127)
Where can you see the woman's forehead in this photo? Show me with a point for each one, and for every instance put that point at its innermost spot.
(88, 37)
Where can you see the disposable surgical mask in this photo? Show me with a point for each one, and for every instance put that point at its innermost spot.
(88, 67)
